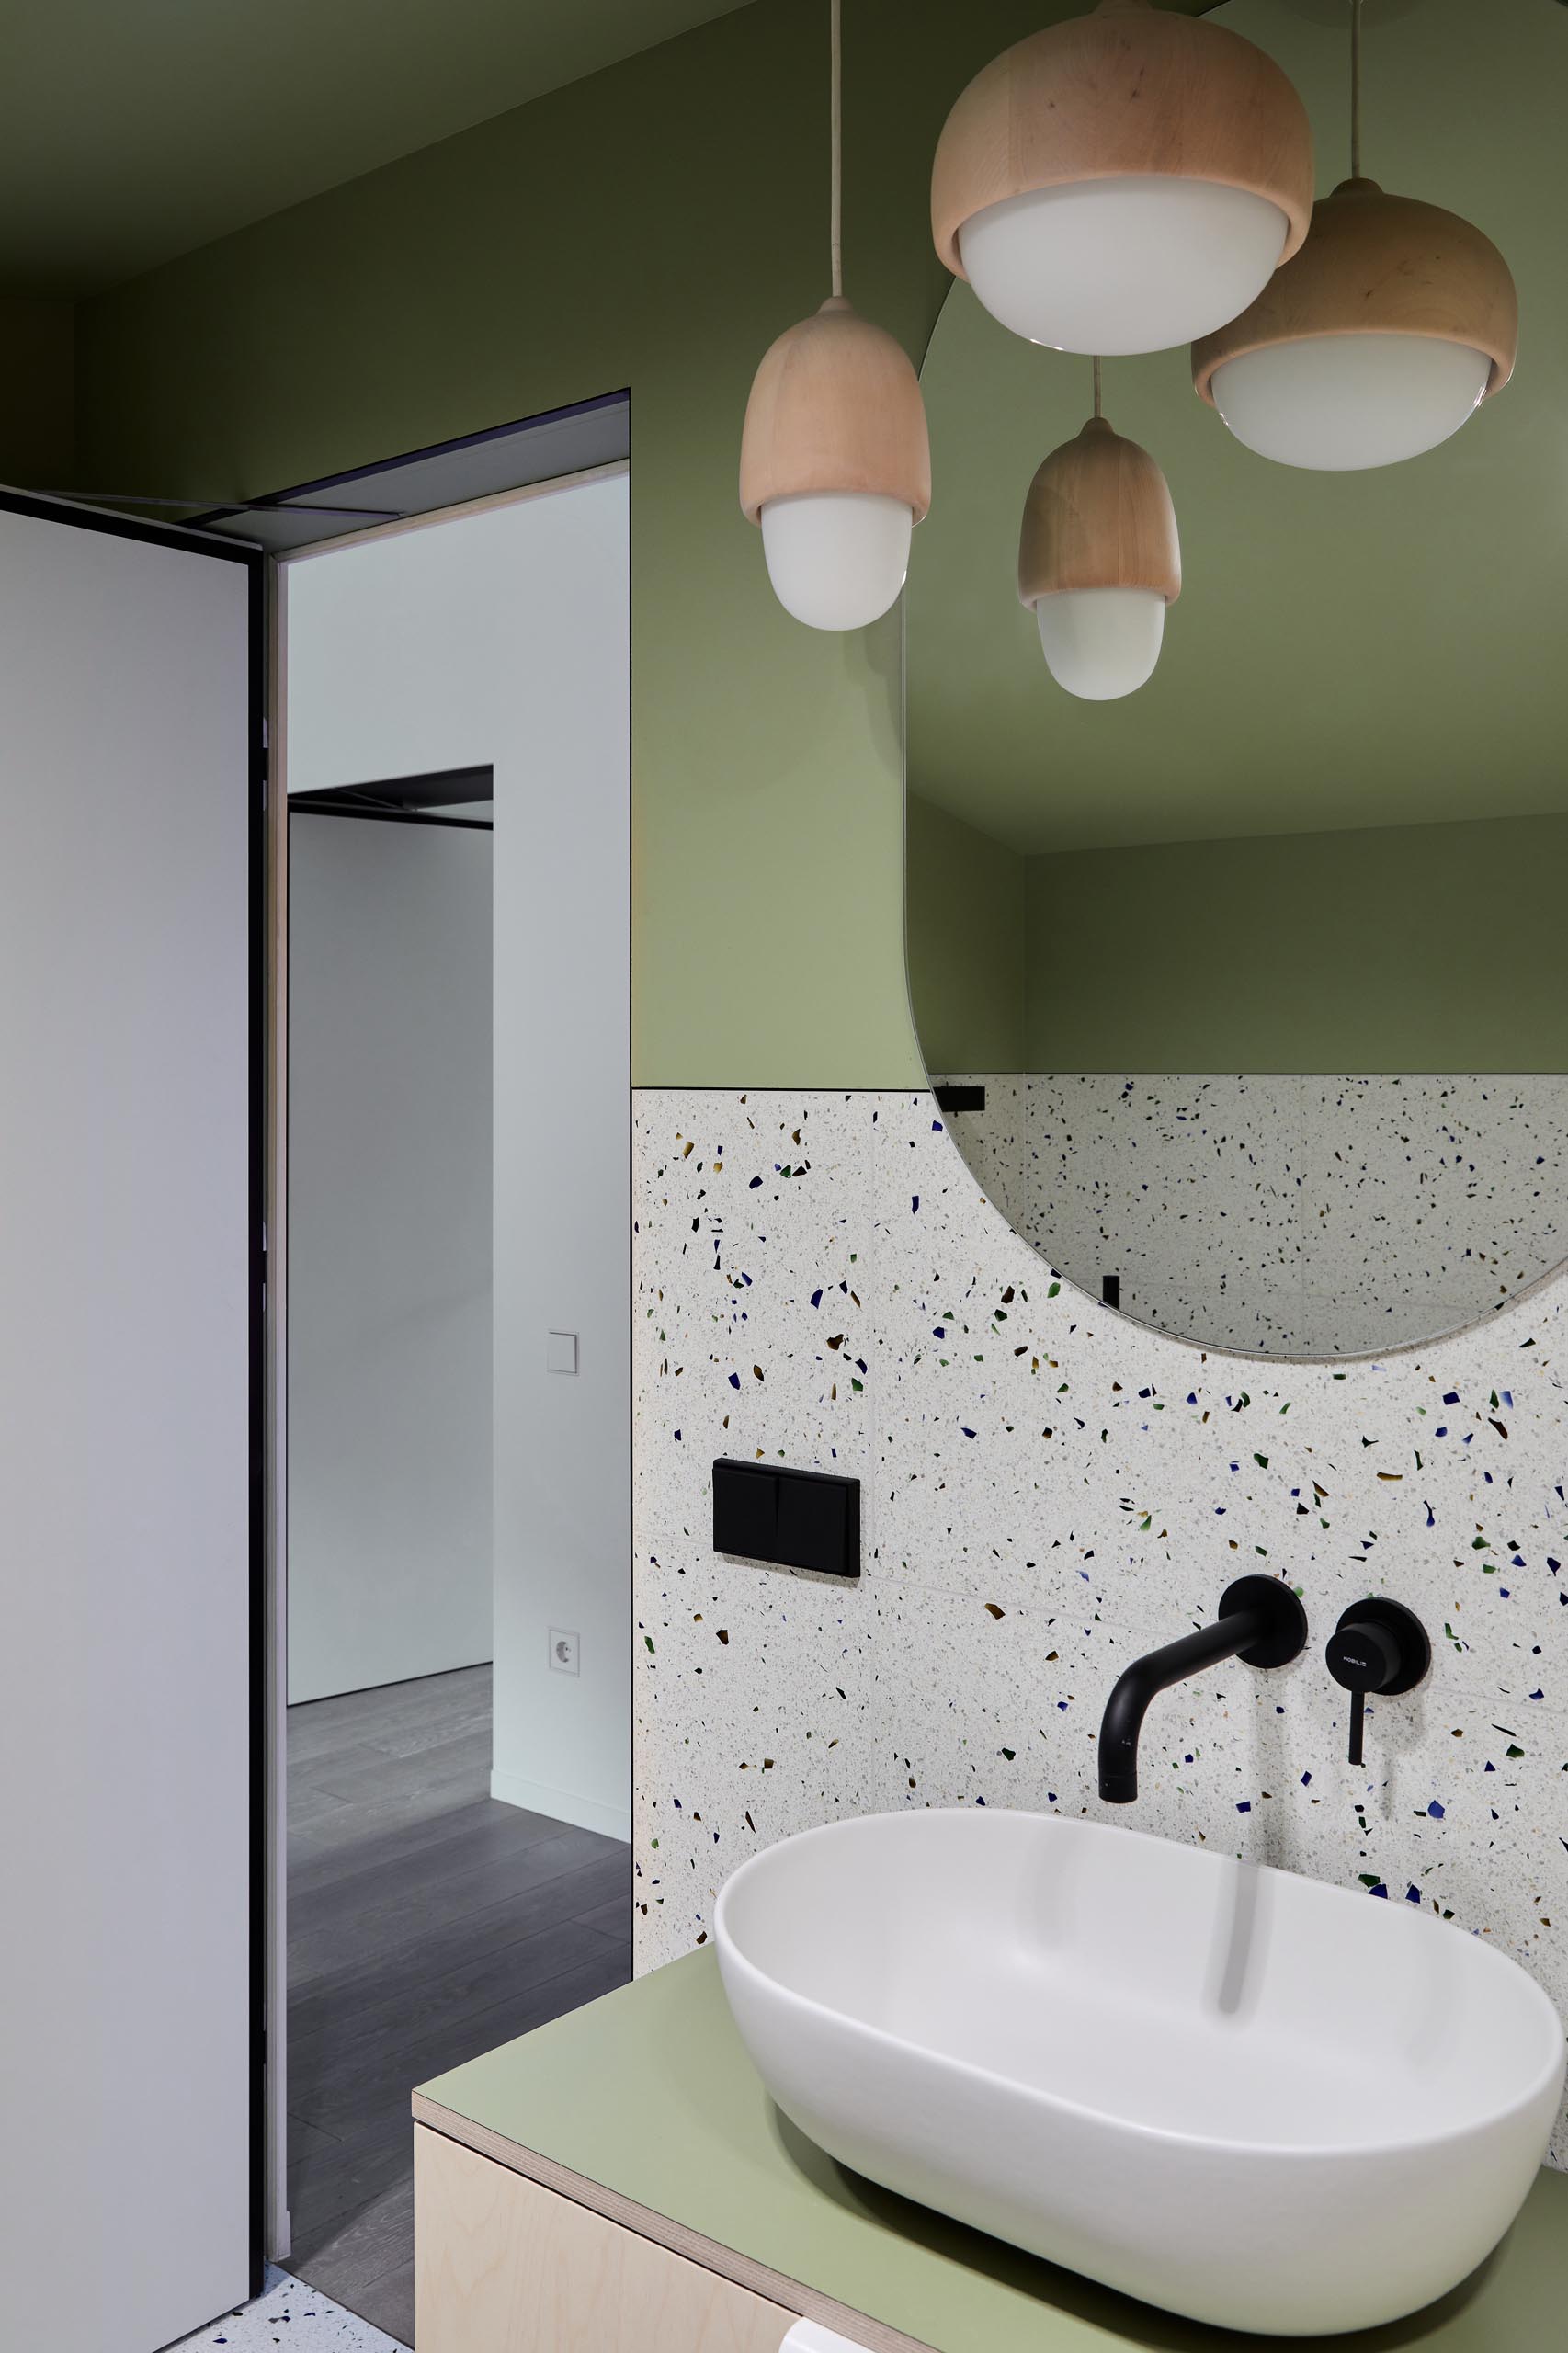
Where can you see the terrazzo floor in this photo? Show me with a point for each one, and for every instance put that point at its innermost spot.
(288, 2312)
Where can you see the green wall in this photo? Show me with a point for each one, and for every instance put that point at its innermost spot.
(655, 225)
(1415, 947)
(37, 423)
(968, 942)
(1405, 947)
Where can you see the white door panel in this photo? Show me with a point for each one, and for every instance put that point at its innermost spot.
(126, 2003)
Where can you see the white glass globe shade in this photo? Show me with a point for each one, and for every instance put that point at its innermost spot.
(1122, 265)
(1101, 643)
(1337, 402)
(837, 559)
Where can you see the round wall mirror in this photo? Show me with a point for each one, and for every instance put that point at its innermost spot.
(1244, 995)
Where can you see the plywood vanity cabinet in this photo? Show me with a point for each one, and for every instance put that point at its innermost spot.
(619, 2181)
(506, 2266)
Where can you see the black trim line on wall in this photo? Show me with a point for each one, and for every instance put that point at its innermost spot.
(405, 800)
(302, 804)
(299, 494)
(431, 788)
(129, 526)
(260, 1614)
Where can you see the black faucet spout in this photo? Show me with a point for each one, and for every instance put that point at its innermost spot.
(1261, 1621)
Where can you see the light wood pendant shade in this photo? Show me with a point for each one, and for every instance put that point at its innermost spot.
(1125, 92)
(835, 406)
(1376, 341)
(1098, 514)
(1377, 263)
(835, 464)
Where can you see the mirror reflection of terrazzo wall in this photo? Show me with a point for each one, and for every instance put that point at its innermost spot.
(1048, 1490)
(1295, 1217)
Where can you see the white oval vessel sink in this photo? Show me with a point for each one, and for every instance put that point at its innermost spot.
(1238, 2094)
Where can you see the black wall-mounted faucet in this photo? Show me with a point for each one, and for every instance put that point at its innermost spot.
(1261, 1623)
(1378, 1646)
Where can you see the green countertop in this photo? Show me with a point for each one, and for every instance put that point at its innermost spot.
(649, 2094)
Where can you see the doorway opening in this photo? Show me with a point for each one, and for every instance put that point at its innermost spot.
(452, 1679)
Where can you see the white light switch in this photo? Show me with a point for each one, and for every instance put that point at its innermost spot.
(561, 1352)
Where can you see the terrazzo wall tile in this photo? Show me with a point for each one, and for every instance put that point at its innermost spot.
(1290, 1216)
(774, 1673)
(999, 1144)
(1048, 1489)
(762, 1208)
(751, 1334)
(1484, 1159)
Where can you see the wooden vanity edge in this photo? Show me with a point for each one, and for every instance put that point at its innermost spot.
(725, 2261)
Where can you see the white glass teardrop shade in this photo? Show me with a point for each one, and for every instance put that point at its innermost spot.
(1340, 403)
(837, 559)
(1101, 643)
(1122, 265)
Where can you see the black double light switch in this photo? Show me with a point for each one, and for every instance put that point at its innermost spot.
(799, 1519)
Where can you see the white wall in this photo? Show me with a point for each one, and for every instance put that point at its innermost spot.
(390, 1261)
(504, 637)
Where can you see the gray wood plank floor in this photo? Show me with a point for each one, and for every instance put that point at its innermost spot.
(427, 1922)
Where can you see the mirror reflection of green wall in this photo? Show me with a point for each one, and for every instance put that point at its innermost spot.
(1260, 965)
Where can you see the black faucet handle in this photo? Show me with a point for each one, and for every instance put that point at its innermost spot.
(1362, 1655)
(1378, 1646)
(1357, 1725)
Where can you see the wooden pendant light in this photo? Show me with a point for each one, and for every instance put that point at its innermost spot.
(1125, 93)
(1377, 263)
(1098, 514)
(835, 406)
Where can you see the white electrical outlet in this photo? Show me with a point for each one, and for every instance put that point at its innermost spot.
(563, 1653)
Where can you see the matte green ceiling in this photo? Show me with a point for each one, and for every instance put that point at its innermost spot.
(1369, 649)
(134, 130)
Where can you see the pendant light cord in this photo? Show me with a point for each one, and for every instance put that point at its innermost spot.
(1355, 89)
(836, 217)
(1099, 402)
